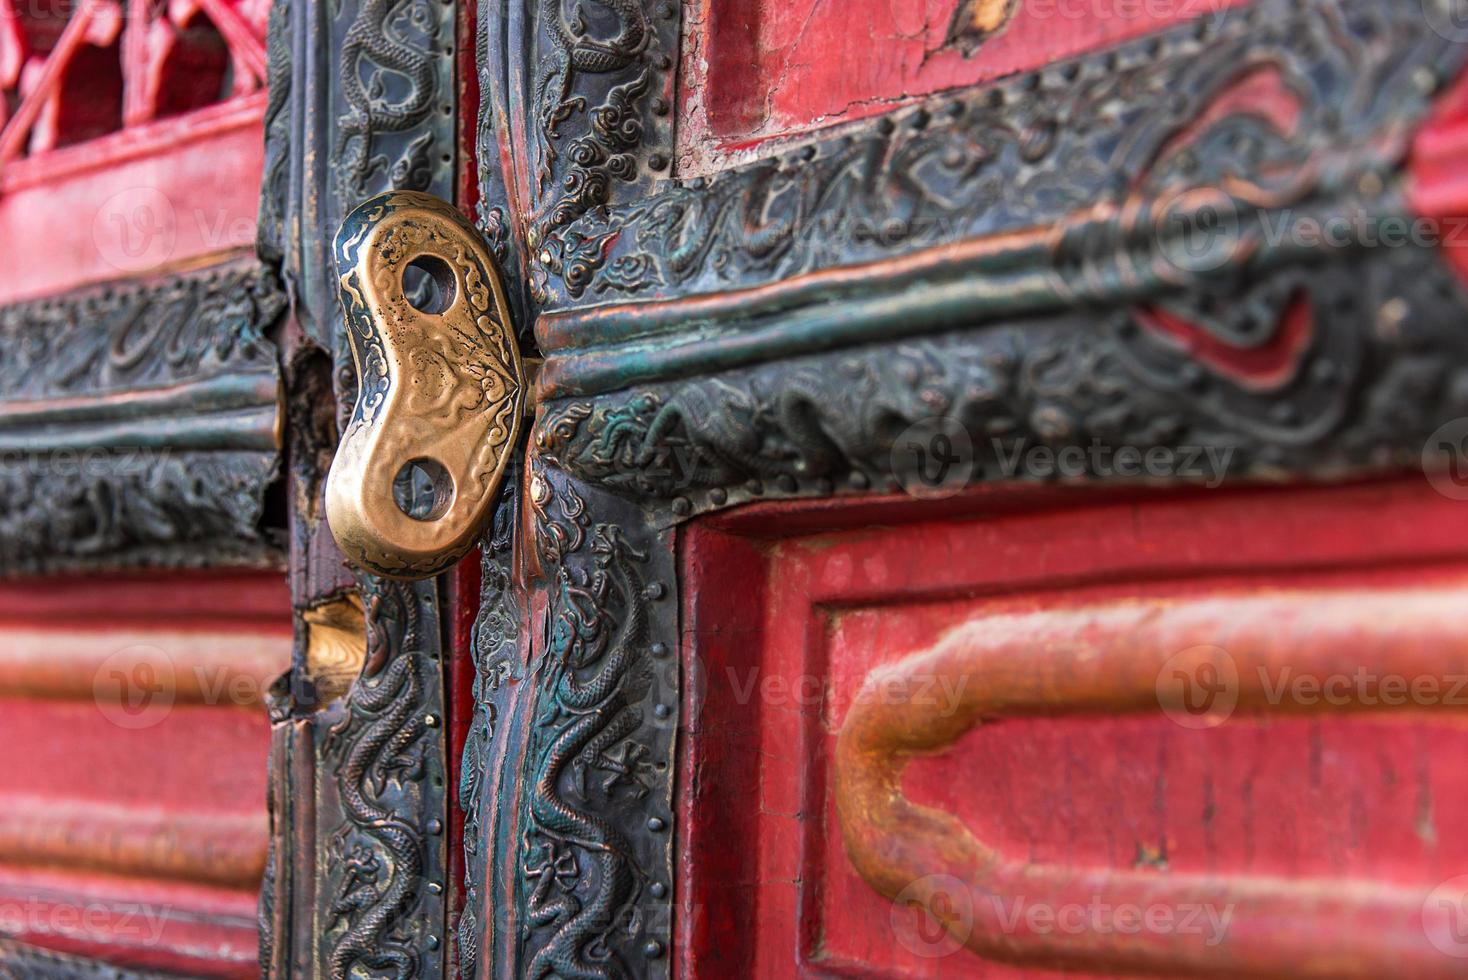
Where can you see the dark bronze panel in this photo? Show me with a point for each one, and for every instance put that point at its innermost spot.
(139, 424)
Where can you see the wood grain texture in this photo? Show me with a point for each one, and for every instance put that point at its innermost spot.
(133, 826)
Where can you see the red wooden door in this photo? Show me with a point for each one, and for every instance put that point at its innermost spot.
(990, 503)
(143, 613)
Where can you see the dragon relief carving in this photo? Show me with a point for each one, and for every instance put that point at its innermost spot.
(74, 499)
(74, 510)
(1023, 152)
(1355, 398)
(593, 862)
(380, 774)
(127, 336)
(389, 47)
(608, 73)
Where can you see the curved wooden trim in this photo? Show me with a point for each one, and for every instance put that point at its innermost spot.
(1107, 659)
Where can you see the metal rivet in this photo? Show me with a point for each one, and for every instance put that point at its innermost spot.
(431, 721)
(431, 942)
(658, 889)
(718, 495)
(652, 949)
(681, 506)
(655, 824)
(659, 649)
(662, 710)
(435, 888)
(654, 590)
(435, 827)
(657, 161)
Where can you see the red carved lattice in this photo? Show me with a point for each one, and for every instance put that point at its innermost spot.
(74, 70)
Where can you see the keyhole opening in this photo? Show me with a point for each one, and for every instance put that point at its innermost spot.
(429, 284)
(423, 489)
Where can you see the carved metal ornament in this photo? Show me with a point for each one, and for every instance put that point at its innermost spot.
(1356, 398)
(362, 100)
(385, 863)
(498, 666)
(592, 859)
(1090, 160)
(140, 424)
(595, 87)
(440, 388)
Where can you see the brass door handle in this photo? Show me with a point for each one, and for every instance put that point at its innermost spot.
(440, 392)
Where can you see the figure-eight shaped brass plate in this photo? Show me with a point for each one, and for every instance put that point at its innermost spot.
(440, 387)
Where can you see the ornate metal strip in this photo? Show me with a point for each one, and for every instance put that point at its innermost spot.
(595, 86)
(1052, 147)
(591, 858)
(1363, 395)
(139, 424)
(382, 804)
(499, 664)
(362, 100)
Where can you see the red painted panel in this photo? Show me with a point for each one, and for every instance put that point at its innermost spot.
(187, 930)
(757, 69)
(218, 599)
(767, 883)
(133, 824)
(134, 202)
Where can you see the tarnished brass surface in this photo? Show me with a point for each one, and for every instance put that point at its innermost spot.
(441, 385)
